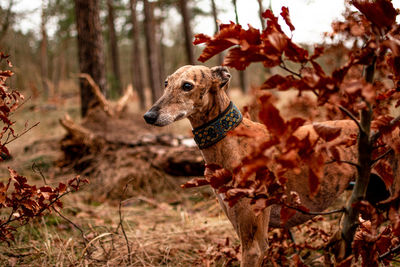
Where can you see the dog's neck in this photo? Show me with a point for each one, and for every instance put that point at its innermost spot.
(217, 103)
(218, 153)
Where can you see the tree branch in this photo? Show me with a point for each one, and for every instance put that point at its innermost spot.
(99, 95)
(351, 116)
(75, 225)
(364, 151)
(393, 250)
(283, 66)
(342, 210)
(373, 162)
(343, 161)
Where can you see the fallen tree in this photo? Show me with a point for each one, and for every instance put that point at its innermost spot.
(115, 147)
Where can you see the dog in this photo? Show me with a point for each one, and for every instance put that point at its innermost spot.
(199, 94)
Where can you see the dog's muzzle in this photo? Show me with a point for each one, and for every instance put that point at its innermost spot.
(150, 117)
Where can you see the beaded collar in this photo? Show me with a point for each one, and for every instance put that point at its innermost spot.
(215, 130)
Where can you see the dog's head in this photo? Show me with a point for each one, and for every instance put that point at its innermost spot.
(187, 91)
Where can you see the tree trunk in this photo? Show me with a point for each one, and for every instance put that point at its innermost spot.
(43, 53)
(261, 10)
(187, 31)
(160, 47)
(116, 83)
(91, 53)
(136, 63)
(242, 73)
(151, 51)
(365, 148)
(6, 20)
(220, 58)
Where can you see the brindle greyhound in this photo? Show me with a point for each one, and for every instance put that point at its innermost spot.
(198, 93)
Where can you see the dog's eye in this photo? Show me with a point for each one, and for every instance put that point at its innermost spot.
(166, 83)
(187, 86)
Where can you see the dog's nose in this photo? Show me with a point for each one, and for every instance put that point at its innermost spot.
(150, 117)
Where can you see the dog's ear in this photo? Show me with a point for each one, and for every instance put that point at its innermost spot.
(220, 75)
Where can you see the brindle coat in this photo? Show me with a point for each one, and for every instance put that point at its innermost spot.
(204, 99)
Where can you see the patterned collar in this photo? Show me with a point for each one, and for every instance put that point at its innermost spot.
(215, 130)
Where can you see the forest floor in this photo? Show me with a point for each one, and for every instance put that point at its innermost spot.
(167, 226)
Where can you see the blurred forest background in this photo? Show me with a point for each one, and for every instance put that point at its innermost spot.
(133, 212)
(137, 38)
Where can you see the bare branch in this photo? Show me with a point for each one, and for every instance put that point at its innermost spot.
(37, 169)
(343, 161)
(373, 162)
(75, 225)
(21, 134)
(351, 116)
(97, 92)
(122, 226)
(122, 102)
(342, 210)
(393, 250)
(283, 66)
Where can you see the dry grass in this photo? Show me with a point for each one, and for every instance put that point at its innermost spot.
(159, 234)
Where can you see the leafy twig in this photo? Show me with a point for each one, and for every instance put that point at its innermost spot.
(19, 135)
(283, 66)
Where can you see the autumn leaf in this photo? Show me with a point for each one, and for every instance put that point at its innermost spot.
(380, 12)
(195, 182)
(270, 116)
(326, 132)
(216, 175)
(385, 171)
(286, 17)
(346, 262)
(286, 214)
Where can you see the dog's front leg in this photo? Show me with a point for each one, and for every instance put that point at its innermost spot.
(253, 233)
(251, 229)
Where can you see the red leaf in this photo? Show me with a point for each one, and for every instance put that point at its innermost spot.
(225, 38)
(318, 50)
(239, 59)
(385, 171)
(328, 133)
(296, 53)
(6, 73)
(270, 116)
(273, 82)
(379, 12)
(217, 176)
(272, 22)
(62, 188)
(196, 182)
(46, 189)
(346, 262)
(286, 214)
(286, 17)
(278, 41)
